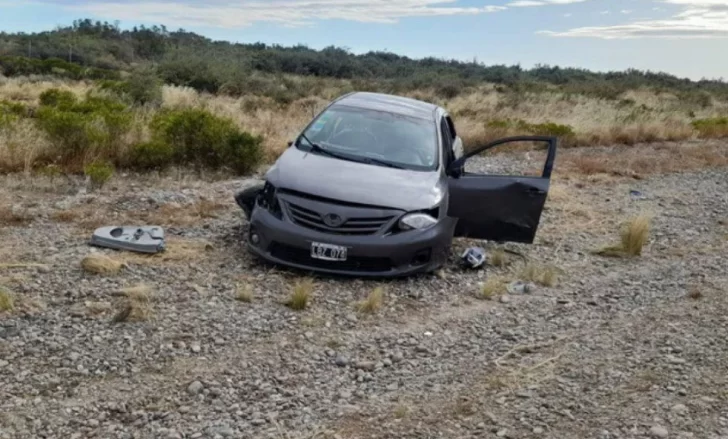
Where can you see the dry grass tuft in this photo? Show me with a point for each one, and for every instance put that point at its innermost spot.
(132, 311)
(176, 249)
(7, 303)
(373, 302)
(499, 258)
(542, 274)
(301, 295)
(139, 292)
(136, 305)
(493, 287)
(401, 411)
(244, 293)
(14, 217)
(695, 293)
(97, 263)
(634, 236)
(67, 216)
(98, 308)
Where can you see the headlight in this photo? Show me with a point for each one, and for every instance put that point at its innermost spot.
(417, 221)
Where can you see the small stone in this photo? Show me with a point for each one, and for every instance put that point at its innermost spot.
(523, 394)
(679, 409)
(195, 347)
(538, 430)
(502, 432)
(659, 431)
(258, 421)
(505, 298)
(341, 361)
(195, 387)
(365, 365)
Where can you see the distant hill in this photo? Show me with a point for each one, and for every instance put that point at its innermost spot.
(98, 50)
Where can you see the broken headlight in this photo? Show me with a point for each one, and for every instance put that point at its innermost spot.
(267, 200)
(416, 221)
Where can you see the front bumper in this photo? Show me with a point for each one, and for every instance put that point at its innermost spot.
(402, 254)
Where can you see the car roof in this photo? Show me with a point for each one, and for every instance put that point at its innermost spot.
(390, 103)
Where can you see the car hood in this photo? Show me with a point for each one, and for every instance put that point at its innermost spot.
(354, 182)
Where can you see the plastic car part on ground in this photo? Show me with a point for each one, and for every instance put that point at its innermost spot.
(473, 257)
(520, 287)
(142, 239)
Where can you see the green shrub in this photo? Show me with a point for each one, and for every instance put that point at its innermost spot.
(143, 87)
(99, 173)
(151, 155)
(57, 98)
(198, 137)
(551, 129)
(711, 128)
(97, 124)
(11, 112)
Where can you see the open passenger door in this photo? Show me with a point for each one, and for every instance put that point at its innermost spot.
(499, 207)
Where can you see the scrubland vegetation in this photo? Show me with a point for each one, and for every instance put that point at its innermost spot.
(147, 99)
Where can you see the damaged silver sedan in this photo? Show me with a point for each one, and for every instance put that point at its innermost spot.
(376, 185)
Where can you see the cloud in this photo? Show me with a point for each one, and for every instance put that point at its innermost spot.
(696, 19)
(527, 3)
(240, 13)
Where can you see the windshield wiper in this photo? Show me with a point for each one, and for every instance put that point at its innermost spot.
(374, 161)
(318, 148)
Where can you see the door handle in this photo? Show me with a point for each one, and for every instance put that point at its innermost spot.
(533, 191)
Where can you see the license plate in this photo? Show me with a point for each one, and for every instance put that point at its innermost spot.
(328, 252)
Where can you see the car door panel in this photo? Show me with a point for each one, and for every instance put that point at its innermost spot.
(499, 207)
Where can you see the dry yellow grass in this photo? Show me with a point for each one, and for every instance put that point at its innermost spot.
(493, 287)
(301, 295)
(130, 310)
(139, 292)
(645, 160)
(639, 116)
(542, 274)
(14, 217)
(97, 263)
(373, 302)
(7, 303)
(244, 293)
(499, 258)
(634, 236)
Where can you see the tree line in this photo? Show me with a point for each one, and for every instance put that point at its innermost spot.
(184, 58)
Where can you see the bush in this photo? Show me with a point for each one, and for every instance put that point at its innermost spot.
(141, 88)
(151, 155)
(10, 112)
(77, 128)
(99, 173)
(57, 98)
(198, 137)
(711, 128)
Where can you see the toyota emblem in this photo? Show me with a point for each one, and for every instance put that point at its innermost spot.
(333, 220)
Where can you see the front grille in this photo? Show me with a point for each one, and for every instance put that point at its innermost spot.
(301, 256)
(352, 226)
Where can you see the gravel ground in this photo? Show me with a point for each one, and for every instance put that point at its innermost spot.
(618, 348)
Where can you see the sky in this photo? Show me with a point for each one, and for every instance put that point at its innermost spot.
(687, 38)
